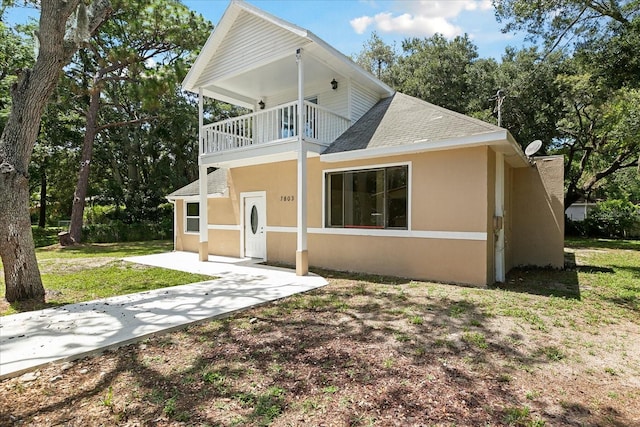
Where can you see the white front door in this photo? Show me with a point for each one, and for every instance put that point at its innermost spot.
(255, 238)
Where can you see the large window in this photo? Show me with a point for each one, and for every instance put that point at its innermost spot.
(192, 221)
(372, 198)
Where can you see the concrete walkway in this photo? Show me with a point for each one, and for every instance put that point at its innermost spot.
(32, 339)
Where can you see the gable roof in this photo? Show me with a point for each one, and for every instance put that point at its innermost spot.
(402, 124)
(216, 185)
(250, 53)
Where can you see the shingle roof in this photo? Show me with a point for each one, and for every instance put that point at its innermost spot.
(216, 184)
(402, 120)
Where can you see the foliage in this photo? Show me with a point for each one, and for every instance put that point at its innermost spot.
(137, 57)
(436, 70)
(613, 218)
(16, 52)
(45, 236)
(564, 21)
(119, 231)
(377, 57)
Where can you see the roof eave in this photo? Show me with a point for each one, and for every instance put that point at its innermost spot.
(500, 137)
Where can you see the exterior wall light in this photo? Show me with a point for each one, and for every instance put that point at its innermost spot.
(334, 84)
(261, 104)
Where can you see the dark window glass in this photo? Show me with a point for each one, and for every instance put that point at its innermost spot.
(397, 197)
(335, 197)
(374, 198)
(193, 209)
(193, 220)
(254, 219)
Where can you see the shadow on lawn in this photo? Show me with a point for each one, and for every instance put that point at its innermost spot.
(548, 281)
(363, 351)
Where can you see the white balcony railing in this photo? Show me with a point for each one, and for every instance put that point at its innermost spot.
(274, 124)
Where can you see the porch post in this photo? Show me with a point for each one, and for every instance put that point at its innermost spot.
(302, 254)
(203, 248)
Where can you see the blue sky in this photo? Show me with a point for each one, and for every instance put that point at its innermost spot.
(347, 24)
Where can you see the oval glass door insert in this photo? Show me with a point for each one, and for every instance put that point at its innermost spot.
(254, 219)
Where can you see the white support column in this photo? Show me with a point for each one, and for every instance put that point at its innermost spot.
(499, 220)
(302, 254)
(203, 248)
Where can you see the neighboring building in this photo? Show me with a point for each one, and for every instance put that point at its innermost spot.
(578, 211)
(334, 169)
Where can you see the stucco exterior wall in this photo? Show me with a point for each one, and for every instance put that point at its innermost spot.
(448, 191)
(538, 213)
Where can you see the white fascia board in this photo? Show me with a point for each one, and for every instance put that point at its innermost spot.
(195, 197)
(489, 138)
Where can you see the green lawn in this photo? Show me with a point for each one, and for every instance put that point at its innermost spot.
(92, 271)
(549, 347)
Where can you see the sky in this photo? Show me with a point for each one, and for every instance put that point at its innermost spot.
(348, 24)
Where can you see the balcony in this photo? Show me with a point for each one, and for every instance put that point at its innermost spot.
(274, 126)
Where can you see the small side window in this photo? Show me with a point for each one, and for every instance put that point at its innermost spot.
(192, 222)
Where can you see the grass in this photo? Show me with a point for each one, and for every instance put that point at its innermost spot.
(548, 347)
(92, 271)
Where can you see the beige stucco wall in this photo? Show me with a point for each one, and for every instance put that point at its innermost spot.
(449, 193)
(538, 213)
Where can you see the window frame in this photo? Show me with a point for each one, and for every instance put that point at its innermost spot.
(365, 229)
(188, 217)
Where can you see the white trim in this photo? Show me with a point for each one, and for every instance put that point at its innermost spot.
(226, 227)
(497, 137)
(175, 223)
(389, 232)
(195, 197)
(374, 166)
(243, 196)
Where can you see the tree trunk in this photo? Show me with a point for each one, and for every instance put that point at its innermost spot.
(79, 196)
(29, 96)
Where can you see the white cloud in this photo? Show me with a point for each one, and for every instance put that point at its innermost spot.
(421, 17)
(360, 25)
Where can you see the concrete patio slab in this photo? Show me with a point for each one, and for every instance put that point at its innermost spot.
(32, 339)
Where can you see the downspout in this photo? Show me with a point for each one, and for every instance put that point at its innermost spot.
(302, 254)
(498, 219)
(175, 224)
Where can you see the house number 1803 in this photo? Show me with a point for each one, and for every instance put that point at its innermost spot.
(286, 198)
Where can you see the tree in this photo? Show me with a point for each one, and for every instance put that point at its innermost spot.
(377, 57)
(598, 129)
(557, 20)
(130, 54)
(533, 104)
(29, 96)
(600, 134)
(436, 70)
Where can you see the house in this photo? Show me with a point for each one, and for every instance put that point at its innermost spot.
(579, 210)
(333, 168)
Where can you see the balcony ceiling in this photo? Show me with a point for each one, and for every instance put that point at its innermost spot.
(277, 77)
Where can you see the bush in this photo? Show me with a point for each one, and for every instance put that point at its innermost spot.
(45, 236)
(118, 231)
(613, 218)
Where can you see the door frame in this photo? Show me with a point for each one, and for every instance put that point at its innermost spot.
(243, 197)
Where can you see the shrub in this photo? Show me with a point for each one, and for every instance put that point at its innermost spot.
(613, 218)
(118, 231)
